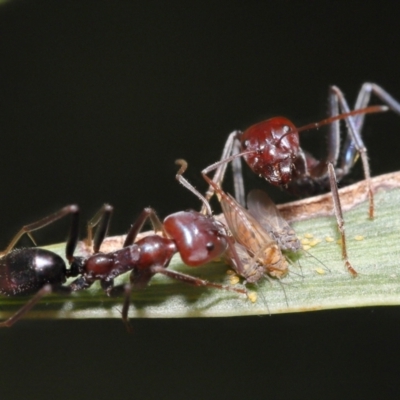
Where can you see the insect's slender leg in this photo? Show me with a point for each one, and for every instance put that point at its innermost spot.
(117, 291)
(349, 153)
(231, 147)
(27, 229)
(194, 280)
(24, 309)
(363, 99)
(238, 183)
(140, 221)
(334, 130)
(125, 307)
(339, 218)
(47, 289)
(103, 219)
(354, 144)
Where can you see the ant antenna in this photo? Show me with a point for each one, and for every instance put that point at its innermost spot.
(327, 121)
(183, 166)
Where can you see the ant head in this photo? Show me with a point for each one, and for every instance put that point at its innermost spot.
(199, 238)
(273, 146)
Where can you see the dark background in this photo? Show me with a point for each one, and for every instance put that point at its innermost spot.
(98, 99)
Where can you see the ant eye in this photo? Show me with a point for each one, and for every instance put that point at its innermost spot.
(210, 246)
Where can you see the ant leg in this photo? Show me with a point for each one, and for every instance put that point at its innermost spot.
(354, 146)
(47, 289)
(363, 99)
(193, 280)
(230, 152)
(72, 237)
(103, 216)
(339, 219)
(184, 182)
(238, 183)
(126, 290)
(138, 225)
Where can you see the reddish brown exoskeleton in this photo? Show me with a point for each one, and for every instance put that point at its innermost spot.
(196, 237)
(272, 148)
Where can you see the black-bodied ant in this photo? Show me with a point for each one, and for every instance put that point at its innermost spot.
(272, 149)
(198, 239)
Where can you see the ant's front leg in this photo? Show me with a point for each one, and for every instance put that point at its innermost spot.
(229, 153)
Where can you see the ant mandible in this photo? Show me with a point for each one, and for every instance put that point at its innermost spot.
(198, 238)
(272, 149)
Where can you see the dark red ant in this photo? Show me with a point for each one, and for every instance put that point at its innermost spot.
(272, 150)
(198, 239)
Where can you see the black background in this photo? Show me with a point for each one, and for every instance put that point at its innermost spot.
(97, 101)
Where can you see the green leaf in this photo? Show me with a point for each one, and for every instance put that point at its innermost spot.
(320, 282)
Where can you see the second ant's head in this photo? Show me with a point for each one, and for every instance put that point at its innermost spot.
(272, 149)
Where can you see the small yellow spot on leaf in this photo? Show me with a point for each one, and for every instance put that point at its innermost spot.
(252, 296)
(314, 242)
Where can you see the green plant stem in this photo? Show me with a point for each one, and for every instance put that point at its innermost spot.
(318, 281)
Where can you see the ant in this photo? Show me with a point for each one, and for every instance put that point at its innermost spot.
(198, 238)
(272, 149)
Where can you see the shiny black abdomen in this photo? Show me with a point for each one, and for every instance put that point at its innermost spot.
(25, 271)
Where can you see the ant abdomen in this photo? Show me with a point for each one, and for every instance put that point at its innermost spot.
(24, 271)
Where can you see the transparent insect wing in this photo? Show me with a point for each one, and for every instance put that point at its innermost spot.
(244, 227)
(264, 210)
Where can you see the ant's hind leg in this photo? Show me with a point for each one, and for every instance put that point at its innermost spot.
(363, 99)
(353, 146)
(72, 238)
(47, 289)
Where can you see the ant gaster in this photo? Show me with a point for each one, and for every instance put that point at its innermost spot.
(272, 149)
(196, 237)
